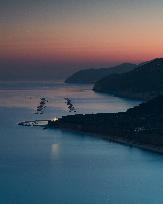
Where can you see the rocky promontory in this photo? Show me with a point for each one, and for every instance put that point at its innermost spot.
(140, 126)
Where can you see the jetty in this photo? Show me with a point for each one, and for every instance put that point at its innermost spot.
(34, 123)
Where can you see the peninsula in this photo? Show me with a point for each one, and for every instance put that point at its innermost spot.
(89, 76)
(141, 126)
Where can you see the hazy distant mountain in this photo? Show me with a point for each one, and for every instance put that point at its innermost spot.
(144, 82)
(22, 70)
(35, 70)
(93, 75)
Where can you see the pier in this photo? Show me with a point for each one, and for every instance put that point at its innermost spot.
(34, 123)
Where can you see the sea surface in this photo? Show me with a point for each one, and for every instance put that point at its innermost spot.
(61, 167)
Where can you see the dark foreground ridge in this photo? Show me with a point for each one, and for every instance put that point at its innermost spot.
(144, 82)
(141, 126)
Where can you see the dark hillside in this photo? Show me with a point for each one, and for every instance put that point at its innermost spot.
(144, 82)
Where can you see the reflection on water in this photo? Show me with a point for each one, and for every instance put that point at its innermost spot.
(58, 167)
(55, 149)
(84, 99)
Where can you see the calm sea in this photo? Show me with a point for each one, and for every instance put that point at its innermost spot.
(58, 167)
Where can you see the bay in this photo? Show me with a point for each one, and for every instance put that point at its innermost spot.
(52, 166)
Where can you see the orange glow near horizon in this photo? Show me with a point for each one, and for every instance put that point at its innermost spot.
(118, 37)
(82, 50)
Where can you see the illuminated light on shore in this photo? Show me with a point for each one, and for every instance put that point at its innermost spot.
(55, 119)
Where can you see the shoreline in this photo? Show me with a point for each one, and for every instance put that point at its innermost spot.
(130, 96)
(118, 140)
(141, 126)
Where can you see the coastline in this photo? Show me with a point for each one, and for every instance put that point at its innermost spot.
(140, 126)
(116, 139)
(130, 96)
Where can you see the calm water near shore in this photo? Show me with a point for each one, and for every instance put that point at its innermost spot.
(58, 167)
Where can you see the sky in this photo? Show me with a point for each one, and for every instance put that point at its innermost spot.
(61, 36)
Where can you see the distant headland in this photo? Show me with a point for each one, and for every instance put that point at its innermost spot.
(89, 76)
(143, 81)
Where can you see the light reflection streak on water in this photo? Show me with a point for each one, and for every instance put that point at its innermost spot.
(55, 149)
(84, 99)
